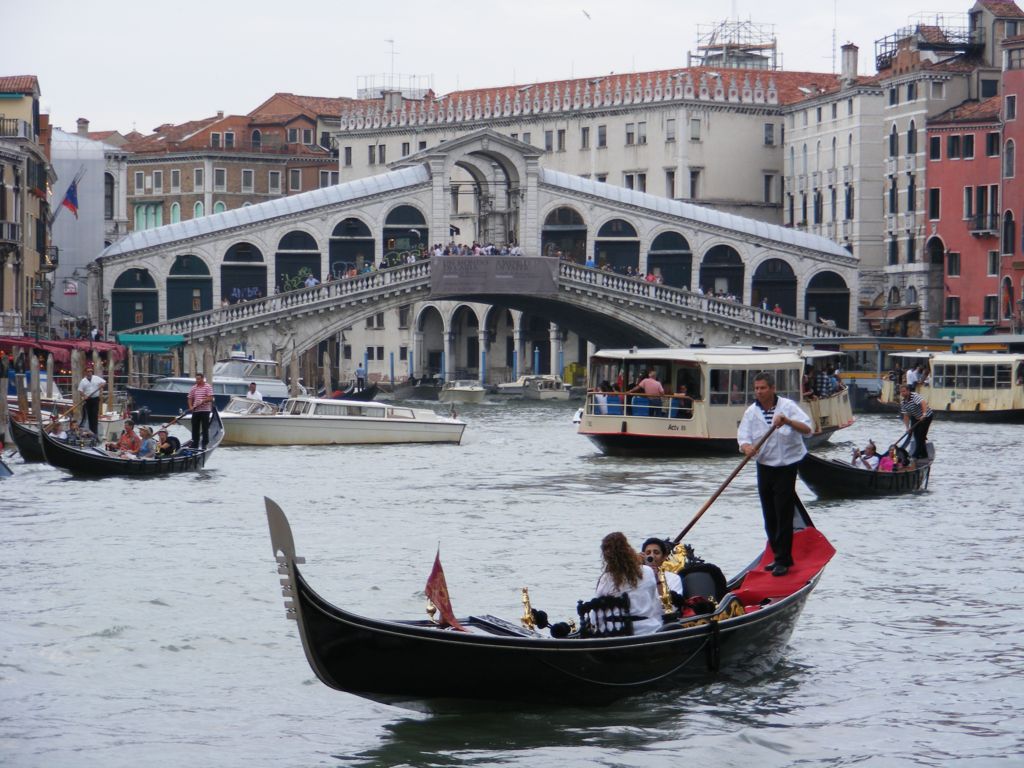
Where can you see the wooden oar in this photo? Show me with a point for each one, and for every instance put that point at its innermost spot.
(723, 486)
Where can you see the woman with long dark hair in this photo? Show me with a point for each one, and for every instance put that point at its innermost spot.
(625, 573)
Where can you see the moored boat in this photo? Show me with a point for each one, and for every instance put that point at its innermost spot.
(5, 470)
(518, 387)
(462, 391)
(417, 663)
(168, 397)
(834, 478)
(317, 421)
(719, 384)
(97, 462)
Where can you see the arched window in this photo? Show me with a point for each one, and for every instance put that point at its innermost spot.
(817, 156)
(912, 139)
(792, 161)
(1008, 159)
(911, 295)
(219, 207)
(894, 296)
(257, 139)
(175, 213)
(894, 142)
(1009, 233)
(197, 211)
(835, 154)
(803, 167)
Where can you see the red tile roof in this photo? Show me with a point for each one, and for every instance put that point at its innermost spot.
(971, 111)
(1004, 9)
(312, 106)
(27, 84)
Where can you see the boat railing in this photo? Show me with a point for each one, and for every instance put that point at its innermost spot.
(599, 403)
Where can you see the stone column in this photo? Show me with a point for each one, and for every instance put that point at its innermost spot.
(484, 354)
(416, 354)
(555, 339)
(449, 356)
(523, 362)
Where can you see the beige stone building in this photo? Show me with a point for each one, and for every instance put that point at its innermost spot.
(26, 256)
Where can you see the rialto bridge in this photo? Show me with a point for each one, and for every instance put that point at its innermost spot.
(239, 277)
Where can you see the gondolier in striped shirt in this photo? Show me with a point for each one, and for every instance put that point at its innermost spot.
(916, 412)
(200, 402)
(776, 463)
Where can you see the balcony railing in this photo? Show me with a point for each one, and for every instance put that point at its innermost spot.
(984, 224)
(13, 128)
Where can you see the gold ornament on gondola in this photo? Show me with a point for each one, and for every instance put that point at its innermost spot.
(527, 619)
(663, 591)
(676, 561)
(432, 611)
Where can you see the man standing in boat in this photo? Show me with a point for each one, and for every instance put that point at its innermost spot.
(777, 461)
(253, 393)
(916, 412)
(200, 402)
(91, 388)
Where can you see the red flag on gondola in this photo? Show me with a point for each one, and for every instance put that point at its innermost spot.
(437, 593)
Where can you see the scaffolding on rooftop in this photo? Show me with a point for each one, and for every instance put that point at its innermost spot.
(410, 86)
(939, 32)
(735, 44)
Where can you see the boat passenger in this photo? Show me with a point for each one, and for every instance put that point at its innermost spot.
(682, 404)
(253, 393)
(129, 441)
(147, 449)
(868, 458)
(601, 398)
(624, 574)
(164, 445)
(655, 551)
(651, 388)
(887, 463)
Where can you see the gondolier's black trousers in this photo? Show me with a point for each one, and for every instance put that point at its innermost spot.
(200, 424)
(921, 437)
(777, 488)
(92, 413)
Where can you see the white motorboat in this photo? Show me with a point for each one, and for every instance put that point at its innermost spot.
(545, 388)
(518, 387)
(462, 391)
(317, 421)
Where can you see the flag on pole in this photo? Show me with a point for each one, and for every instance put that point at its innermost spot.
(437, 593)
(70, 200)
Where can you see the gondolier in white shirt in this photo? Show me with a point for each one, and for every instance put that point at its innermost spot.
(91, 389)
(776, 463)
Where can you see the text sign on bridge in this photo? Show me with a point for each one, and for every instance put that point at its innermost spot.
(461, 275)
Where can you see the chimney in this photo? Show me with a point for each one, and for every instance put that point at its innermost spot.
(220, 114)
(849, 69)
(83, 127)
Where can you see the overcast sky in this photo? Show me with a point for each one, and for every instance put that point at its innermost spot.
(137, 64)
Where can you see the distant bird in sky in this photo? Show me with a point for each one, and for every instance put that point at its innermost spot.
(586, 14)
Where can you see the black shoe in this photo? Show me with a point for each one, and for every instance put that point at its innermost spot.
(770, 566)
(780, 570)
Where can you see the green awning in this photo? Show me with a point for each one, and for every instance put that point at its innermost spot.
(150, 343)
(949, 331)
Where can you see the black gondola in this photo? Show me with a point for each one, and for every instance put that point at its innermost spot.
(837, 479)
(417, 663)
(97, 462)
(26, 438)
(352, 392)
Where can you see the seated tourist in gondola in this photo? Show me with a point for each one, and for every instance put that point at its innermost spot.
(868, 458)
(56, 429)
(165, 445)
(624, 574)
(147, 449)
(654, 552)
(129, 441)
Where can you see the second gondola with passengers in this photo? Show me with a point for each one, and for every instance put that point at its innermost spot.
(689, 400)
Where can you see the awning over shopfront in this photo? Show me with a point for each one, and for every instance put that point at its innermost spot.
(61, 348)
(950, 331)
(151, 344)
(893, 313)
